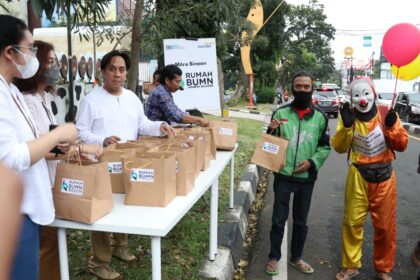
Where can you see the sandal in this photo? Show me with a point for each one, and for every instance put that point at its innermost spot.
(346, 275)
(272, 267)
(302, 266)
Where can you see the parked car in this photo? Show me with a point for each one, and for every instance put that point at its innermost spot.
(327, 99)
(384, 98)
(343, 96)
(329, 85)
(408, 107)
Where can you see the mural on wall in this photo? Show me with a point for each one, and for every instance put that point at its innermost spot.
(82, 70)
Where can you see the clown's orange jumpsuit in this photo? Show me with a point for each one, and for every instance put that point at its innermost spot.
(371, 143)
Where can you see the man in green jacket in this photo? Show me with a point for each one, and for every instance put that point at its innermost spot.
(306, 129)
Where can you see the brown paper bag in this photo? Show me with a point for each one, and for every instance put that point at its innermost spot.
(82, 193)
(185, 165)
(202, 142)
(153, 138)
(179, 130)
(225, 134)
(150, 180)
(123, 146)
(270, 152)
(112, 157)
(151, 141)
(198, 143)
(213, 148)
(181, 138)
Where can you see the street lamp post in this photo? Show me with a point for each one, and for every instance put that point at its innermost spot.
(372, 65)
(348, 54)
(350, 71)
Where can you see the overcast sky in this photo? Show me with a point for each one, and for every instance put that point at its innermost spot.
(354, 19)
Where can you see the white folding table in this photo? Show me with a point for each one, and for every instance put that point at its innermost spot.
(156, 222)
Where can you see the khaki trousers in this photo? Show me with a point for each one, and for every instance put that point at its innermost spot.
(49, 266)
(101, 246)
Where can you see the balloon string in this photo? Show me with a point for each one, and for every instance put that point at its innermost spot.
(395, 89)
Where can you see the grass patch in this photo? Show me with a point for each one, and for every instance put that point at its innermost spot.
(242, 104)
(186, 246)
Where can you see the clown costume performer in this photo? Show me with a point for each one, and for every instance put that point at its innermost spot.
(371, 183)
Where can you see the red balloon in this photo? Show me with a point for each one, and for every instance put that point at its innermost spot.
(401, 44)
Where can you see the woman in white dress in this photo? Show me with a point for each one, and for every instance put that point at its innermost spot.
(22, 148)
(37, 92)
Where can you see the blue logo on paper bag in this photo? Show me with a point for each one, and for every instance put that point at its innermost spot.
(270, 148)
(134, 175)
(64, 186)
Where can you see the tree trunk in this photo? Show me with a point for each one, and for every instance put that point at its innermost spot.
(160, 5)
(34, 21)
(243, 84)
(221, 85)
(133, 73)
(71, 115)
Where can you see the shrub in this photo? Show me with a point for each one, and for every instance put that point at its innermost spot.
(234, 102)
(265, 95)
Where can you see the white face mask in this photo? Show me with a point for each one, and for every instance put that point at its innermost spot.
(362, 97)
(29, 69)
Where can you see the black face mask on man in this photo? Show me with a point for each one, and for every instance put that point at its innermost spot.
(302, 99)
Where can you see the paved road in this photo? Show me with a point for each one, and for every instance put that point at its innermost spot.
(323, 246)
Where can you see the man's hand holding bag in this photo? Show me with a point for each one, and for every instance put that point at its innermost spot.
(270, 151)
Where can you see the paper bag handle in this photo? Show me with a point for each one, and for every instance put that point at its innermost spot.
(77, 156)
(129, 168)
(272, 131)
(169, 145)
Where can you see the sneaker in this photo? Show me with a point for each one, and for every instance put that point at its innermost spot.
(123, 254)
(105, 273)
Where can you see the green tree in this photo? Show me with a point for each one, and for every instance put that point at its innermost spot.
(268, 46)
(308, 34)
(301, 59)
(266, 49)
(195, 19)
(132, 79)
(296, 37)
(335, 78)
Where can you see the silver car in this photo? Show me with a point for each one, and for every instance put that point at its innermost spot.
(327, 99)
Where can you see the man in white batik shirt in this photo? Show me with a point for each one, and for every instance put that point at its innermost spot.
(108, 115)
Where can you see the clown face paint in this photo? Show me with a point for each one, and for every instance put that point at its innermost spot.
(362, 97)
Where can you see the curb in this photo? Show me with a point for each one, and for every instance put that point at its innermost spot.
(250, 112)
(220, 268)
(412, 128)
(233, 229)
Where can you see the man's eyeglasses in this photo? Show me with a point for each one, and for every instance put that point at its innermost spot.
(33, 49)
